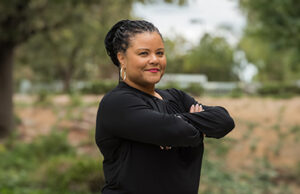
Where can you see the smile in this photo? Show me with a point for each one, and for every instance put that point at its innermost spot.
(153, 70)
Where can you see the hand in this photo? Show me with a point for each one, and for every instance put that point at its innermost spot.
(166, 147)
(196, 108)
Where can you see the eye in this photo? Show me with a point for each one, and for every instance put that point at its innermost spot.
(144, 53)
(160, 53)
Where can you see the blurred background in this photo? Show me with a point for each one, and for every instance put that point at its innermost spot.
(240, 54)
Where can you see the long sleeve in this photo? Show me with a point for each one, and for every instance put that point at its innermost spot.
(125, 115)
(214, 121)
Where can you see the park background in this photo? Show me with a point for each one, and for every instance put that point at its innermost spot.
(54, 71)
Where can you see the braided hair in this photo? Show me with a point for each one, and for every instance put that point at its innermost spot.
(117, 39)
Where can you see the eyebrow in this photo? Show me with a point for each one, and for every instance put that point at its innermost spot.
(149, 49)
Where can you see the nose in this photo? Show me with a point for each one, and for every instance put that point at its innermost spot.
(153, 59)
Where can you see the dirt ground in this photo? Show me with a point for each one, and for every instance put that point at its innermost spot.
(264, 126)
(270, 125)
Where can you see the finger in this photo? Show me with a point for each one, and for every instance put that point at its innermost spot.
(161, 147)
(168, 147)
(197, 108)
(192, 109)
(201, 108)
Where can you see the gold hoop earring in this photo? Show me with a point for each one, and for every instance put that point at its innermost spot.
(121, 72)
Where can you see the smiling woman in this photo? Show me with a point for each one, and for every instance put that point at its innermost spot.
(144, 61)
(151, 139)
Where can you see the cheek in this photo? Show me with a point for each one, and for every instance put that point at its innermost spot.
(135, 70)
(134, 64)
(138, 62)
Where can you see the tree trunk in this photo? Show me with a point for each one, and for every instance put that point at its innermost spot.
(6, 86)
(69, 70)
(67, 83)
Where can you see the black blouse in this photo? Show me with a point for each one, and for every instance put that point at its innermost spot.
(132, 125)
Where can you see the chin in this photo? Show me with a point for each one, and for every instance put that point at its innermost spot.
(153, 80)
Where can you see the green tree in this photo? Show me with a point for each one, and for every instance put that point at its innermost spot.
(212, 57)
(73, 51)
(272, 64)
(272, 38)
(21, 20)
(175, 53)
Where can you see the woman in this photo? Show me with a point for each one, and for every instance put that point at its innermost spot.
(151, 139)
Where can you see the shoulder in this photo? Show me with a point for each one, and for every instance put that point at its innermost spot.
(180, 97)
(174, 93)
(119, 97)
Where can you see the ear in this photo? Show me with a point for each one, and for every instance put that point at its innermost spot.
(121, 58)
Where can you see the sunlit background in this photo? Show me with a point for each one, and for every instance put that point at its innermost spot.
(240, 54)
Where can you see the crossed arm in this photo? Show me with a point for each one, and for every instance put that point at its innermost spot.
(193, 109)
(133, 119)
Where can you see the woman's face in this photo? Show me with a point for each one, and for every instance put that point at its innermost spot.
(144, 61)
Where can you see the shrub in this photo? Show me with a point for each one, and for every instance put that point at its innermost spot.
(279, 89)
(73, 174)
(43, 98)
(48, 164)
(75, 100)
(215, 178)
(20, 155)
(195, 89)
(99, 87)
(169, 85)
(237, 92)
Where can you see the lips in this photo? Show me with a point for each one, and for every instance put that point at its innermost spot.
(153, 70)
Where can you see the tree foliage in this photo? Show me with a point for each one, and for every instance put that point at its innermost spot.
(278, 21)
(62, 22)
(212, 57)
(175, 53)
(272, 64)
(76, 50)
(272, 38)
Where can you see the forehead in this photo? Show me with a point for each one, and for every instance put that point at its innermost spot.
(146, 40)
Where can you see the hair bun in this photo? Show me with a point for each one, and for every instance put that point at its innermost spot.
(109, 39)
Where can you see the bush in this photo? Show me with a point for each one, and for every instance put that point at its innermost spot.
(48, 164)
(195, 89)
(279, 89)
(237, 92)
(69, 173)
(27, 155)
(75, 100)
(43, 98)
(99, 87)
(169, 85)
(215, 178)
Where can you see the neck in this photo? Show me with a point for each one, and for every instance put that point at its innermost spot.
(145, 88)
